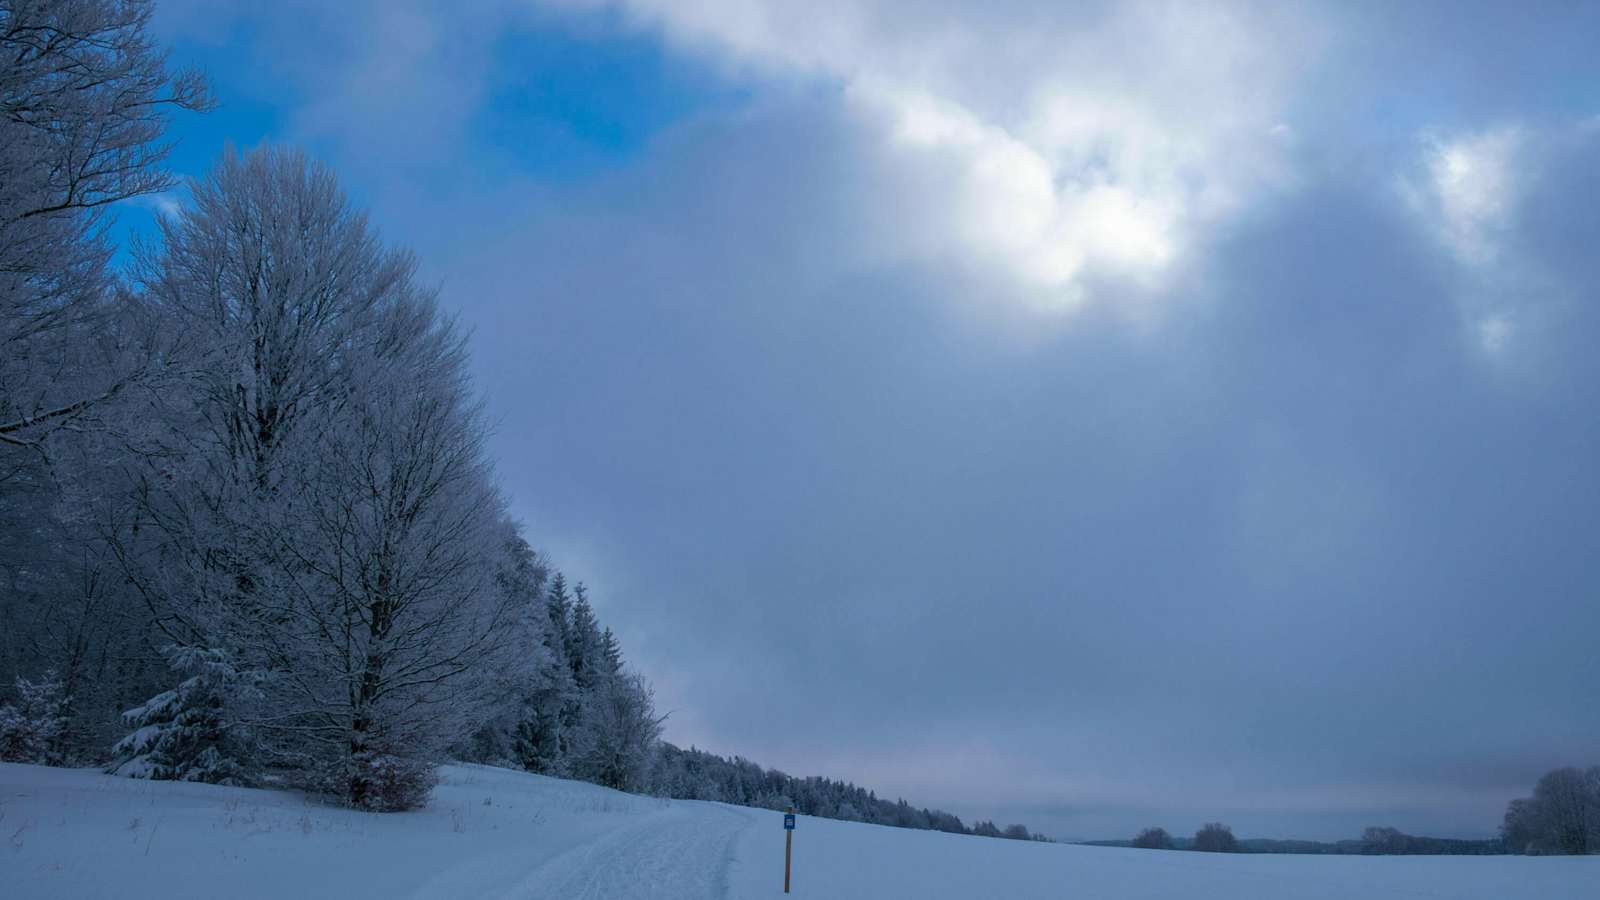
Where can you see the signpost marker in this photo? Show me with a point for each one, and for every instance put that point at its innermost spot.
(788, 844)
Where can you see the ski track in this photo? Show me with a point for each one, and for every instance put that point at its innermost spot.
(681, 854)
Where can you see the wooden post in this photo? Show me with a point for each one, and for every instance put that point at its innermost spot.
(788, 847)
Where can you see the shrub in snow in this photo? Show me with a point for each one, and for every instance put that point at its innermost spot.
(378, 781)
(182, 734)
(31, 728)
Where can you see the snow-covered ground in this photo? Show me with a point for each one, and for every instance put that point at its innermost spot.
(500, 834)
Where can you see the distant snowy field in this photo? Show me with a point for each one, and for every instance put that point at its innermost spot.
(499, 834)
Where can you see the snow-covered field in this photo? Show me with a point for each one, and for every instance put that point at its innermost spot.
(495, 833)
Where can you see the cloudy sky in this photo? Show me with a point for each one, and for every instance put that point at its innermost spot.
(1087, 414)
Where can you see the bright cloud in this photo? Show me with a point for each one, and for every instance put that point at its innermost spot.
(1471, 191)
(1095, 142)
(1016, 209)
(1057, 146)
(162, 204)
(1467, 196)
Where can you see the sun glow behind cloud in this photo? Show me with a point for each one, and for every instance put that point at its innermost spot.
(1019, 211)
(1471, 191)
(1467, 197)
(1065, 149)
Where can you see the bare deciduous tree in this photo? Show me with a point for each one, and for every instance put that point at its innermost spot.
(392, 614)
(333, 532)
(1215, 837)
(84, 99)
(1562, 816)
(1153, 839)
(618, 732)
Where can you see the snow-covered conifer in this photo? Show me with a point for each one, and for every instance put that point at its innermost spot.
(31, 728)
(185, 734)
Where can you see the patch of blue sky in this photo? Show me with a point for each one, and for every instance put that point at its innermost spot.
(569, 96)
(249, 110)
(573, 96)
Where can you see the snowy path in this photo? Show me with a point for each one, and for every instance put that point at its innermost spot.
(683, 855)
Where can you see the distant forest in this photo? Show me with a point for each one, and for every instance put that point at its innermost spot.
(1376, 841)
(696, 775)
(1561, 818)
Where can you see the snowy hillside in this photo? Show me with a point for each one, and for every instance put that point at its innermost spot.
(500, 834)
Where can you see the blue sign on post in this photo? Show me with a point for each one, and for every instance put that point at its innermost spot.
(788, 844)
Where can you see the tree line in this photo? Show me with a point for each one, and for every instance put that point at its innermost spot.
(694, 774)
(1213, 837)
(1374, 841)
(249, 531)
(1561, 818)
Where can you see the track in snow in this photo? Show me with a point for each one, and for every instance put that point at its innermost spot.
(682, 853)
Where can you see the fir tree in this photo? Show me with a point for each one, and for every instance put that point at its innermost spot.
(544, 734)
(612, 650)
(558, 606)
(183, 734)
(585, 646)
(31, 729)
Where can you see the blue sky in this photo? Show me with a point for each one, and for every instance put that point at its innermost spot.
(1095, 415)
(563, 97)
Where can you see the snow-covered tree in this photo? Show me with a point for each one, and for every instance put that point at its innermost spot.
(185, 734)
(558, 604)
(987, 829)
(84, 100)
(336, 529)
(618, 733)
(545, 732)
(585, 646)
(286, 300)
(548, 716)
(611, 650)
(390, 622)
(31, 728)
(520, 677)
